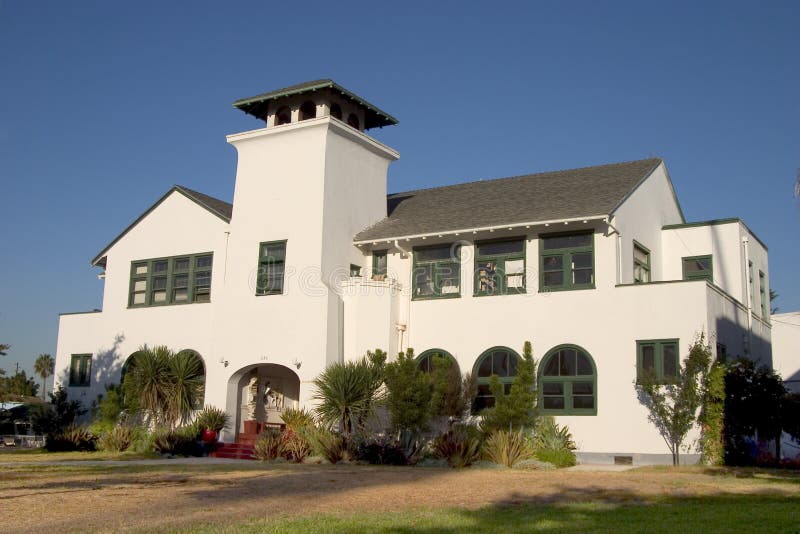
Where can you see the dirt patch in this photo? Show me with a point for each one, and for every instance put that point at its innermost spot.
(177, 496)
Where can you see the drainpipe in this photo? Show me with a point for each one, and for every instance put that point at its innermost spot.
(619, 249)
(748, 283)
(404, 322)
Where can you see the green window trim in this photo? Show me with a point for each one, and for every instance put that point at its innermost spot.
(641, 264)
(500, 267)
(565, 268)
(568, 382)
(660, 356)
(497, 361)
(436, 273)
(379, 264)
(424, 359)
(698, 267)
(184, 279)
(762, 290)
(80, 370)
(355, 271)
(271, 273)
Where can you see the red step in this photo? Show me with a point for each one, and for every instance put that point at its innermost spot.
(239, 451)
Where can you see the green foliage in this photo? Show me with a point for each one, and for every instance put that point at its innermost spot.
(269, 446)
(673, 407)
(109, 407)
(348, 391)
(297, 419)
(451, 394)
(4, 349)
(163, 386)
(384, 450)
(518, 409)
(712, 414)
(506, 448)
(408, 394)
(753, 404)
(178, 441)
(327, 444)
(790, 415)
(553, 443)
(72, 438)
(18, 385)
(212, 418)
(54, 418)
(117, 439)
(44, 367)
(460, 446)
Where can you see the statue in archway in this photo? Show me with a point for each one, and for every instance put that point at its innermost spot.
(252, 398)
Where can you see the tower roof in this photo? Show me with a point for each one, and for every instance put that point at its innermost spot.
(256, 105)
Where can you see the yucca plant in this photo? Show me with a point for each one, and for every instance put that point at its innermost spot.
(327, 444)
(553, 444)
(186, 375)
(269, 446)
(460, 446)
(117, 439)
(506, 448)
(212, 418)
(296, 419)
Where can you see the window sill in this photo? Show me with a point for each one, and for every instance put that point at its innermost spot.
(571, 288)
(165, 305)
(501, 294)
(79, 385)
(438, 297)
(568, 412)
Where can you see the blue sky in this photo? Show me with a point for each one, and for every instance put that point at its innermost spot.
(105, 105)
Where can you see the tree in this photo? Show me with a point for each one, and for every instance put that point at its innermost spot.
(4, 349)
(408, 394)
(53, 418)
(348, 391)
(45, 366)
(518, 409)
(18, 385)
(451, 394)
(712, 416)
(773, 295)
(673, 406)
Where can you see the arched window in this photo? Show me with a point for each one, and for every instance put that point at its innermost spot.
(283, 116)
(352, 120)
(308, 110)
(568, 382)
(425, 361)
(500, 361)
(336, 111)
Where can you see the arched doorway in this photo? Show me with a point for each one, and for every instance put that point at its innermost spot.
(257, 395)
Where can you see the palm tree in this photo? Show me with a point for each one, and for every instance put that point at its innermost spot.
(45, 366)
(162, 386)
(347, 393)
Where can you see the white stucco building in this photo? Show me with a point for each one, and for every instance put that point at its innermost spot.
(313, 263)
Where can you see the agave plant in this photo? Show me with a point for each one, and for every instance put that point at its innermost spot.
(507, 448)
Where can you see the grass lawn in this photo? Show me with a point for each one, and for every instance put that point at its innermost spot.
(41, 455)
(253, 497)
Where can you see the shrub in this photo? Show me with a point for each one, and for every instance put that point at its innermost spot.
(553, 443)
(295, 445)
(408, 394)
(212, 418)
(72, 438)
(382, 451)
(506, 448)
(181, 441)
(460, 446)
(269, 446)
(296, 419)
(327, 444)
(116, 439)
(55, 418)
(517, 409)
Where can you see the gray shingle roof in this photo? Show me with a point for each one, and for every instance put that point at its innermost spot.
(546, 196)
(219, 207)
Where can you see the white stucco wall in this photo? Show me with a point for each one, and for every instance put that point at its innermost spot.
(786, 348)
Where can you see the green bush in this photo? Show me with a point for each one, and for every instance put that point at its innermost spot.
(553, 443)
(212, 418)
(327, 444)
(460, 446)
(506, 448)
(269, 446)
(517, 409)
(72, 438)
(295, 445)
(116, 439)
(296, 419)
(182, 441)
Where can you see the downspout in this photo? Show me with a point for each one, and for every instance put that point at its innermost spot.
(403, 323)
(748, 283)
(619, 249)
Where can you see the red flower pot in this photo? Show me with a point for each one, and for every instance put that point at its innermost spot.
(209, 436)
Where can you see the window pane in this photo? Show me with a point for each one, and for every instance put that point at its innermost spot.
(273, 251)
(582, 260)
(204, 261)
(501, 247)
(554, 279)
(697, 266)
(435, 253)
(582, 388)
(487, 273)
(138, 298)
(485, 368)
(553, 263)
(640, 255)
(568, 363)
(449, 278)
(670, 352)
(583, 402)
(551, 368)
(583, 276)
(514, 271)
(180, 295)
(202, 279)
(566, 241)
(140, 268)
(423, 280)
(584, 365)
(181, 264)
(379, 263)
(140, 285)
(180, 280)
(513, 364)
(553, 403)
(648, 358)
(159, 296)
(160, 266)
(500, 363)
(553, 388)
(202, 296)
(160, 282)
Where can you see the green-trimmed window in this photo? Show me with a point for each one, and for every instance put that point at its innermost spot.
(271, 268)
(80, 370)
(641, 264)
(658, 357)
(698, 267)
(566, 261)
(437, 271)
(568, 382)
(500, 267)
(499, 361)
(355, 270)
(379, 264)
(175, 280)
(722, 352)
(762, 291)
(426, 359)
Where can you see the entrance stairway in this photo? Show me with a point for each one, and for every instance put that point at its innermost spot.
(239, 451)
